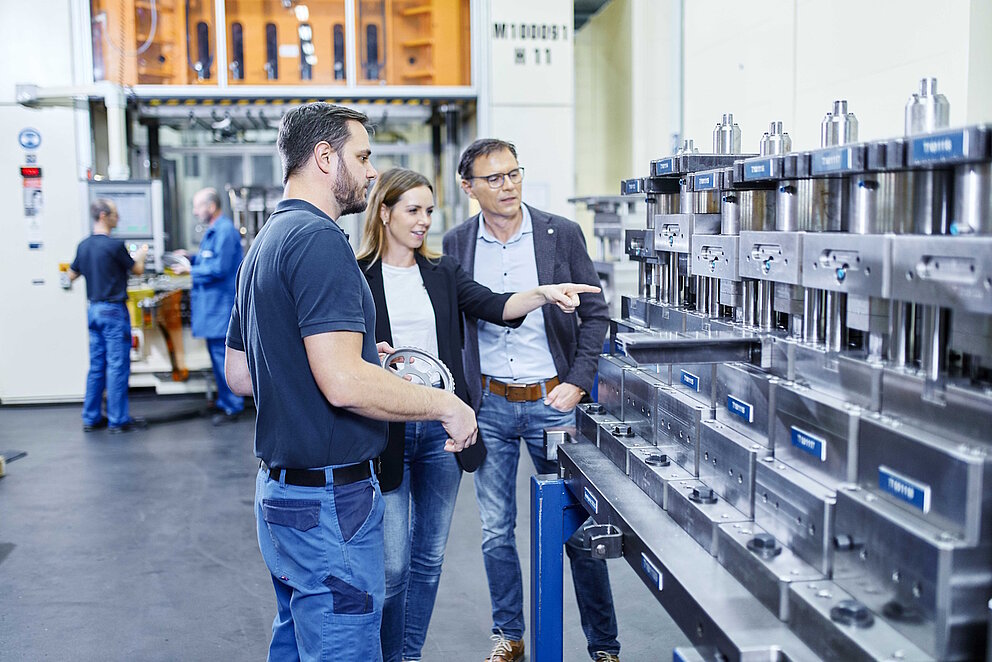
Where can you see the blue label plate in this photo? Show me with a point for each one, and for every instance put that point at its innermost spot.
(832, 160)
(591, 499)
(905, 489)
(809, 443)
(705, 182)
(664, 166)
(761, 169)
(652, 572)
(740, 409)
(938, 147)
(690, 380)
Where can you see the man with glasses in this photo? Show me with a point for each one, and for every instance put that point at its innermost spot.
(524, 380)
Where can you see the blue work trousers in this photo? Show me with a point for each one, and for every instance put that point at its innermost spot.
(502, 424)
(323, 547)
(227, 401)
(110, 363)
(416, 523)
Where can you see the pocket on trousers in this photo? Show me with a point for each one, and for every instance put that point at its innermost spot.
(351, 637)
(347, 598)
(353, 504)
(299, 514)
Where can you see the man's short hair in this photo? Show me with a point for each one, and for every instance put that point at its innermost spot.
(211, 195)
(482, 147)
(100, 206)
(305, 126)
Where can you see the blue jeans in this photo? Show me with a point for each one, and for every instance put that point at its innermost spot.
(110, 363)
(416, 523)
(323, 548)
(502, 425)
(227, 402)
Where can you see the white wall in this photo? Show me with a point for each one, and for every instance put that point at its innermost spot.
(43, 337)
(532, 104)
(789, 59)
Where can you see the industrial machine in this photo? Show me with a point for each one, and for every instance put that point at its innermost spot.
(612, 217)
(282, 42)
(791, 443)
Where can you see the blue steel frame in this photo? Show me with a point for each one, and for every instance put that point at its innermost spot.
(555, 515)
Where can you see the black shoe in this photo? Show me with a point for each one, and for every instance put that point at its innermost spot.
(93, 427)
(223, 418)
(132, 424)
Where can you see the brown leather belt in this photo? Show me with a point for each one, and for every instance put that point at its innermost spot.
(519, 392)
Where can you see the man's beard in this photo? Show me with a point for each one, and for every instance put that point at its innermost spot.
(350, 194)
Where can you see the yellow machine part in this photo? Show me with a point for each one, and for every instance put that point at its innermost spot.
(134, 295)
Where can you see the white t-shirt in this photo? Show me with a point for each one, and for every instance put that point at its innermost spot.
(411, 313)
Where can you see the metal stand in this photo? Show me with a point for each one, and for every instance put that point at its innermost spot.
(554, 517)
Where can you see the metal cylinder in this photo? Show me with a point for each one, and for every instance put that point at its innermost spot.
(787, 207)
(775, 141)
(663, 287)
(972, 199)
(727, 136)
(765, 310)
(658, 280)
(935, 334)
(730, 213)
(757, 210)
(651, 207)
(898, 351)
(834, 321)
(673, 280)
(702, 305)
(863, 204)
(926, 110)
(750, 301)
(932, 202)
(642, 290)
(713, 297)
(811, 316)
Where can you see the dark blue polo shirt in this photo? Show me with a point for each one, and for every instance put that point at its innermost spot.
(105, 263)
(300, 278)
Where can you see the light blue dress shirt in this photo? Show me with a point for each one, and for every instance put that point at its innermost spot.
(517, 355)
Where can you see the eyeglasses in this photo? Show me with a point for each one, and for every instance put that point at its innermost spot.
(495, 181)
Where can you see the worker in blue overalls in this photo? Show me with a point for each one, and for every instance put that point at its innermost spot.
(215, 270)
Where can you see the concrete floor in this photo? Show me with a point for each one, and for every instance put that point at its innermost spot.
(142, 547)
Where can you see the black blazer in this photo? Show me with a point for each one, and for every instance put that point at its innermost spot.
(575, 340)
(452, 292)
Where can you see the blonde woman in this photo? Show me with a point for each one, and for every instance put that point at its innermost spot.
(420, 298)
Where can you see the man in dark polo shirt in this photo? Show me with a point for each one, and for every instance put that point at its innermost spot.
(105, 263)
(302, 341)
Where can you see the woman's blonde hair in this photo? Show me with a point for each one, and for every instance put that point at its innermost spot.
(387, 190)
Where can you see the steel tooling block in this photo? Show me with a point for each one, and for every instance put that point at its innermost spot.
(652, 469)
(958, 408)
(673, 232)
(951, 272)
(943, 480)
(854, 264)
(610, 388)
(744, 400)
(847, 377)
(815, 432)
(774, 256)
(797, 510)
(588, 418)
(761, 563)
(664, 317)
(700, 512)
(640, 403)
(716, 256)
(616, 440)
(928, 584)
(700, 594)
(727, 464)
(838, 627)
(679, 418)
(654, 347)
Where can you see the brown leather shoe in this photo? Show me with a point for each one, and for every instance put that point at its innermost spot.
(506, 650)
(603, 656)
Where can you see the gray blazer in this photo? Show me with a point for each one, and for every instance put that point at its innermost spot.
(576, 341)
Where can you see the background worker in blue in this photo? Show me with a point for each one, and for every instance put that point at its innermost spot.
(302, 341)
(215, 270)
(105, 263)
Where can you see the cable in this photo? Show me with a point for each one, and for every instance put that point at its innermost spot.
(153, 28)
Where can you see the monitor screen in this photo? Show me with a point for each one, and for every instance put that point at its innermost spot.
(134, 206)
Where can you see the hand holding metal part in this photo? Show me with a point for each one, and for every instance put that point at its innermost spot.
(419, 367)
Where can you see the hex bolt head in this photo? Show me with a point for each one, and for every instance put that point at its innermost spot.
(703, 495)
(764, 545)
(852, 612)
